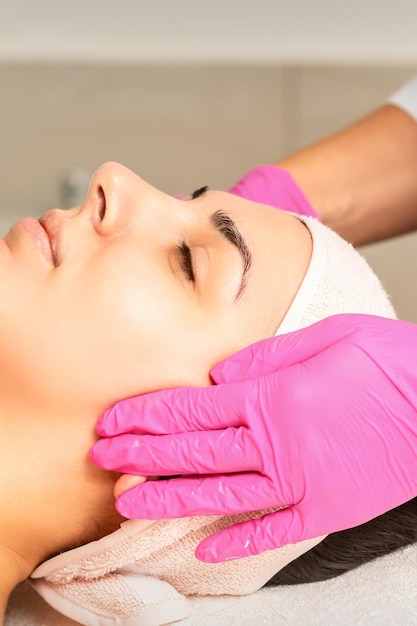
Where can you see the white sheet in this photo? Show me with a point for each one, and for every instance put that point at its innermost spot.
(382, 593)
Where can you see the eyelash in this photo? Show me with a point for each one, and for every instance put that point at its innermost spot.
(199, 192)
(186, 260)
(184, 250)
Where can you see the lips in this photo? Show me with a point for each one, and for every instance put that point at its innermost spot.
(48, 225)
(41, 237)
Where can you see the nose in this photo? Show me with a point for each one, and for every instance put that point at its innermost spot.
(108, 192)
(118, 198)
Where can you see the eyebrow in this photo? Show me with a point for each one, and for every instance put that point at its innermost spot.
(224, 225)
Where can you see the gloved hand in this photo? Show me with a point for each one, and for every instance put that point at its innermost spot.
(322, 420)
(268, 184)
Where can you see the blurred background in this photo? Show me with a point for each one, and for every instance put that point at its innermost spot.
(190, 93)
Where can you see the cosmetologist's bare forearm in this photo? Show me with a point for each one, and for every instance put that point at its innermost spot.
(363, 180)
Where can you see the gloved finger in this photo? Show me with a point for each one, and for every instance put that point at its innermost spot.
(225, 451)
(196, 495)
(171, 411)
(254, 536)
(269, 355)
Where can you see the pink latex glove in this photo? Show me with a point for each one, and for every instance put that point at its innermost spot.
(322, 420)
(271, 185)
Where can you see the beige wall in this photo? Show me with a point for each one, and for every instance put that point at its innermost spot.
(373, 31)
(180, 127)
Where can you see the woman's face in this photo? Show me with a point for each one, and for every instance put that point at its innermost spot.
(141, 291)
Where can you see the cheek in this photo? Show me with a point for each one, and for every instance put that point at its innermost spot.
(83, 340)
(121, 329)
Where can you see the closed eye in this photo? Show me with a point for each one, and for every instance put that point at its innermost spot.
(186, 260)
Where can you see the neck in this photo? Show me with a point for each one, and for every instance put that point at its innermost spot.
(13, 570)
(51, 497)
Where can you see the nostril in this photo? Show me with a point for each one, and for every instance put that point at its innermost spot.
(101, 203)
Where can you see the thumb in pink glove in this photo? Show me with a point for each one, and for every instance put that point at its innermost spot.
(322, 421)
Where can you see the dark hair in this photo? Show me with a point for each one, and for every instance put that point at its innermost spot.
(340, 552)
